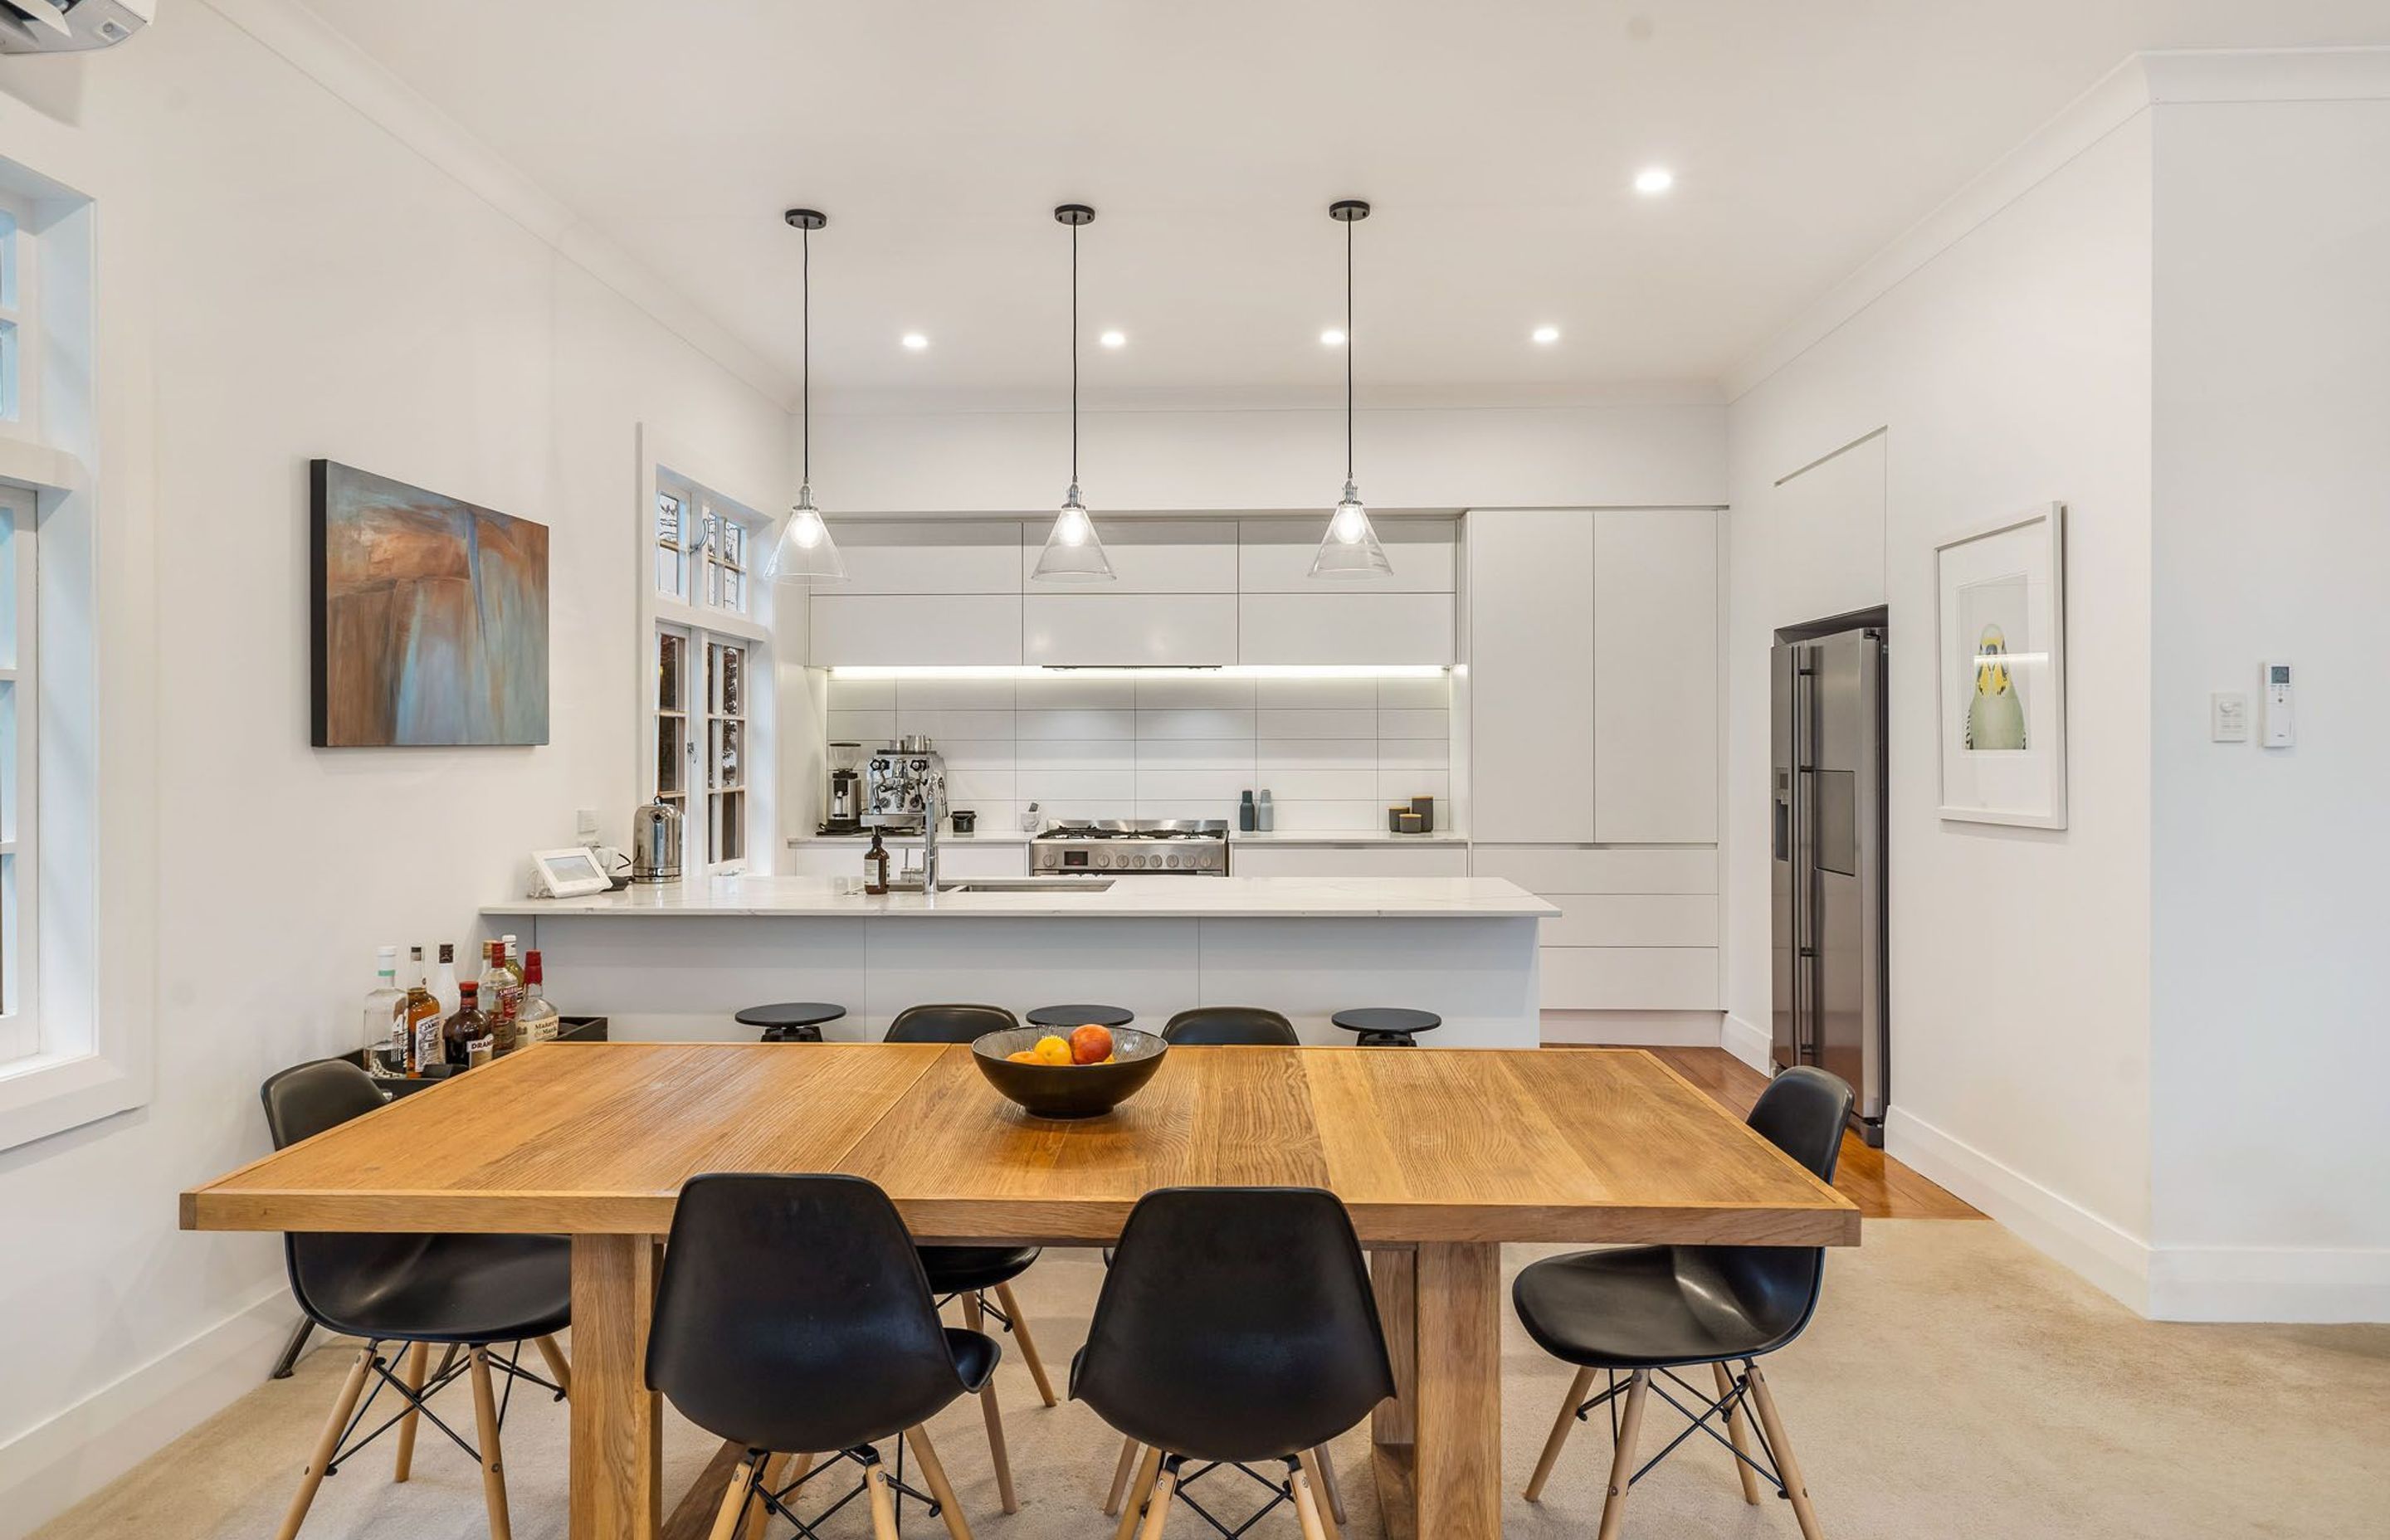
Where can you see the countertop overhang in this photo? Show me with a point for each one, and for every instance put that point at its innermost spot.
(1130, 898)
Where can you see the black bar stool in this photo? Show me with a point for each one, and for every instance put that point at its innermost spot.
(793, 1320)
(1387, 1026)
(1063, 1018)
(790, 1020)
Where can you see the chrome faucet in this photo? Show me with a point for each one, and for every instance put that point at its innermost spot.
(934, 812)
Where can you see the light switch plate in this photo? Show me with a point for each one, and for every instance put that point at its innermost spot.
(2228, 717)
(584, 823)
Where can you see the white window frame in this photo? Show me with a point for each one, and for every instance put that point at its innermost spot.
(20, 822)
(20, 311)
(700, 623)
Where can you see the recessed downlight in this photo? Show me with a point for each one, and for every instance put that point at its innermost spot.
(1546, 334)
(1114, 339)
(1654, 180)
(1332, 338)
(914, 342)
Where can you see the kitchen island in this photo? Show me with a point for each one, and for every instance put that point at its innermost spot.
(674, 962)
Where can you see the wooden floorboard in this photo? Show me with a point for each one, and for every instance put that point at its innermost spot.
(1883, 1188)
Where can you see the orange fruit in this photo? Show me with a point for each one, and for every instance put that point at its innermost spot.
(1052, 1050)
(1090, 1045)
(1022, 1057)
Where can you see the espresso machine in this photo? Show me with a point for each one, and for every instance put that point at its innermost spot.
(843, 812)
(905, 792)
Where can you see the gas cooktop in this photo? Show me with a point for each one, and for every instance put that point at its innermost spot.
(1136, 829)
(1198, 847)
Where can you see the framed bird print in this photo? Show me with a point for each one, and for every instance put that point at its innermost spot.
(2000, 670)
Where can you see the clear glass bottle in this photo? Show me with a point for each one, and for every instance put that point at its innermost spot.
(444, 982)
(498, 995)
(512, 957)
(465, 1037)
(423, 1017)
(386, 1026)
(537, 1021)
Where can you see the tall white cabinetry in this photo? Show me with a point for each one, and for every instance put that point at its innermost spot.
(1593, 676)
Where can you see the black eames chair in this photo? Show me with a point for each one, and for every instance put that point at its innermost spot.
(793, 1319)
(464, 1293)
(972, 1273)
(1649, 1310)
(1236, 1325)
(1216, 1026)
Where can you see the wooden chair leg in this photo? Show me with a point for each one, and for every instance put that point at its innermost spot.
(778, 1472)
(1622, 1460)
(558, 1369)
(1157, 1507)
(1307, 1504)
(1028, 1348)
(1121, 1474)
(884, 1503)
(1787, 1467)
(1147, 1469)
(734, 1502)
(418, 1361)
(1312, 1465)
(327, 1443)
(935, 1475)
(1323, 1470)
(1561, 1427)
(1734, 1436)
(485, 1421)
(976, 1319)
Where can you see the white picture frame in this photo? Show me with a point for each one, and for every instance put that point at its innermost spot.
(1999, 671)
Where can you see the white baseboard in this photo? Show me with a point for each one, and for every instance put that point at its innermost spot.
(56, 1463)
(2107, 1256)
(1633, 1029)
(1750, 1044)
(2269, 1283)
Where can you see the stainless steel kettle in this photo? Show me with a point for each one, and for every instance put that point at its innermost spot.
(655, 843)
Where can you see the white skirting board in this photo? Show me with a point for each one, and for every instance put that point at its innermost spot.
(1750, 1044)
(56, 1463)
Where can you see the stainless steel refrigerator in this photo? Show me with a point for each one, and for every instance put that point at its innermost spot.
(1832, 995)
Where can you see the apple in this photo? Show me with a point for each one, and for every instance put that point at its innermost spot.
(1090, 1045)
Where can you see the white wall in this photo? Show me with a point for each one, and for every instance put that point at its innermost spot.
(2011, 369)
(2272, 1152)
(282, 279)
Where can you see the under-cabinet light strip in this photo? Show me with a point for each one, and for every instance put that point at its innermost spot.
(1226, 671)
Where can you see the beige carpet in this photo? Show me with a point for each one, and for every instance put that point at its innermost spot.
(1956, 1383)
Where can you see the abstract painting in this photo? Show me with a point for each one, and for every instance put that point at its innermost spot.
(431, 617)
(2002, 595)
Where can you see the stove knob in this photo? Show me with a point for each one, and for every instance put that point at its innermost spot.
(1103, 858)
(1173, 861)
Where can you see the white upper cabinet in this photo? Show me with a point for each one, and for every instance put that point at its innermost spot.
(1345, 628)
(929, 555)
(1108, 629)
(1151, 556)
(1655, 700)
(1274, 556)
(914, 630)
(1531, 675)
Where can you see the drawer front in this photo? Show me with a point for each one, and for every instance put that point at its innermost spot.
(1550, 869)
(1629, 978)
(1355, 860)
(1634, 919)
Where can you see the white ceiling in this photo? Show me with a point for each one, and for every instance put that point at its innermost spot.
(1496, 139)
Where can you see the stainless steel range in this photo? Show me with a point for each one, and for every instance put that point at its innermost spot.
(1160, 847)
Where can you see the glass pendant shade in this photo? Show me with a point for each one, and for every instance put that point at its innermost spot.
(1350, 550)
(1073, 552)
(804, 548)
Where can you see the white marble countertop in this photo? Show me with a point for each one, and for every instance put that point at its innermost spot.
(1349, 837)
(1175, 898)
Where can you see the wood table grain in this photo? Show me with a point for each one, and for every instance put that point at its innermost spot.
(1440, 1154)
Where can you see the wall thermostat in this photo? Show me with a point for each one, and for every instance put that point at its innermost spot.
(2278, 728)
(2228, 717)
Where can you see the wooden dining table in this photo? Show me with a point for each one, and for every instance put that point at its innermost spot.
(1440, 1155)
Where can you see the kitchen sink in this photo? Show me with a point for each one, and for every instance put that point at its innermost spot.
(1030, 885)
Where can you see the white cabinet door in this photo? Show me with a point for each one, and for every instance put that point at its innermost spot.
(914, 630)
(1274, 554)
(1531, 675)
(1629, 978)
(1655, 652)
(1154, 556)
(1345, 628)
(941, 555)
(1361, 858)
(1145, 630)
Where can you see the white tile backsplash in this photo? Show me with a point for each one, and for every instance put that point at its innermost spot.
(1334, 753)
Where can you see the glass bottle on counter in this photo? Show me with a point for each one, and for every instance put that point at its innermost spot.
(875, 865)
(512, 957)
(386, 1027)
(498, 997)
(423, 1017)
(465, 1037)
(537, 1021)
(444, 982)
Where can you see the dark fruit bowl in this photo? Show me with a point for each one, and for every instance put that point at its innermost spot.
(1068, 1090)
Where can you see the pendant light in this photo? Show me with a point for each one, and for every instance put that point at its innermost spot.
(1073, 553)
(804, 548)
(1350, 548)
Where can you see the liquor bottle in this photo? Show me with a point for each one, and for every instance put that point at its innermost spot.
(497, 996)
(465, 1037)
(386, 1017)
(443, 983)
(423, 1017)
(515, 980)
(875, 865)
(537, 1021)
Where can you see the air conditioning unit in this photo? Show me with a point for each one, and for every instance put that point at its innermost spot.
(70, 26)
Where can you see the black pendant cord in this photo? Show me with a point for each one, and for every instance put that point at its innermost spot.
(1348, 349)
(805, 477)
(1074, 355)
